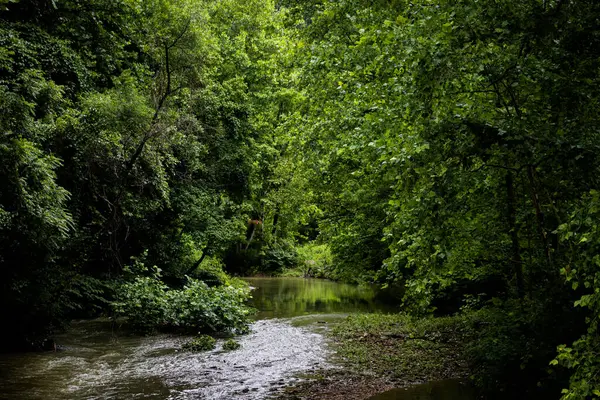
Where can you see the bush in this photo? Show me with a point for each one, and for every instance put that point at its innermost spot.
(277, 257)
(231, 344)
(513, 343)
(200, 307)
(143, 302)
(211, 272)
(148, 304)
(315, 260)
(200, 343)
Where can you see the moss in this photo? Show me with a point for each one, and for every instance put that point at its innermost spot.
(200, 343)
(231, 344)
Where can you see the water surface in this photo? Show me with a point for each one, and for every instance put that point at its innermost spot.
(99, 364)
(99, 361)
(293, 297)
(441, 390)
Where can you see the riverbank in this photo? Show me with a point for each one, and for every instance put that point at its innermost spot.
(378, 352)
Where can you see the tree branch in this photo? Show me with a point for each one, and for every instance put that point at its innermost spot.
(497, 166)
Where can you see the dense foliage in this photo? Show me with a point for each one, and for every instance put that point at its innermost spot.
(452, 146)
(126, 126)
(447, 146)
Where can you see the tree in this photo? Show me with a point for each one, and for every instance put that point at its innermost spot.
(128, 127)
(446, 143)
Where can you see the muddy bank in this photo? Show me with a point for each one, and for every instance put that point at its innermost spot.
(376, 353)
(345, 384)
(336, 384)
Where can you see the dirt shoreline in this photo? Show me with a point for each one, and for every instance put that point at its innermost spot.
(376, 353)
(337, 385)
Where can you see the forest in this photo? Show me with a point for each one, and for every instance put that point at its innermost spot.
(152, 151)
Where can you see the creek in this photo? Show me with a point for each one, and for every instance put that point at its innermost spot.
(99, 361)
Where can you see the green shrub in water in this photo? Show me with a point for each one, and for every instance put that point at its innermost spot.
(148, 304)
(231, 344)
(200, 343)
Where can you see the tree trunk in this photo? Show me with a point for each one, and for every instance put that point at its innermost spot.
(251, 236)
(197, 263)
(538, 213)
(514, 234)
(275, 220)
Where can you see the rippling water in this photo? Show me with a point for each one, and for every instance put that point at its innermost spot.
(98, 365)
(97, 362)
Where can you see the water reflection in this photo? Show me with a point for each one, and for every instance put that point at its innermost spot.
(292, 297)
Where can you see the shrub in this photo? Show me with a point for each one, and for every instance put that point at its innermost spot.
(315, 260)
(277, 257)
(231, 344)
(200, 307)
(200, 343)
(211, 272)
(143, 302)
(148, 304)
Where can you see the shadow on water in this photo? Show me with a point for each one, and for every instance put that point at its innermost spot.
(440, 390)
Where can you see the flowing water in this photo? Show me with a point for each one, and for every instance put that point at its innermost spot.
(99, 362)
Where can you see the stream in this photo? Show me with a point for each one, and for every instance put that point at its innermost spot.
(97, 361)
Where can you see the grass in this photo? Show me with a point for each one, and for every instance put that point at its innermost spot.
(403, 348)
